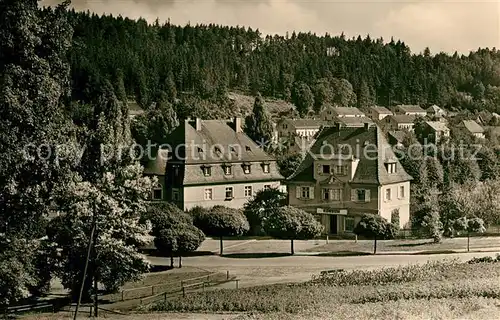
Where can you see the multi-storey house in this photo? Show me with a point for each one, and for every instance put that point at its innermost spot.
(400, 122)
(432, 131)
(347, 173)
(378, 113)
(288, 128)
(413, 110)
(212, 162)
(331, 113)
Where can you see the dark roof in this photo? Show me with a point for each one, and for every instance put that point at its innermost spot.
(437, 125)
(157, 164)
(200, 146)
(346, 111)
(370, 169)
(304, 123)
(381, 110)
(404, 118)
(410, 108)
(354, 121)
(236, 149)
(398, 135)
(472, 126)
(434, 109)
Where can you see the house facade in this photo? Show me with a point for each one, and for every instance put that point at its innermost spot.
(378, 113)
(357, 173)
(435, 111)
(298, 127)
(212, 162)
(400, 122)
(413, 110)
(473, 128)
(432, 131)
(331, 113)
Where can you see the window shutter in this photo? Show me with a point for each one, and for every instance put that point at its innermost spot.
(311, 192)
(353, 195)
(298, 192)
(367, 196)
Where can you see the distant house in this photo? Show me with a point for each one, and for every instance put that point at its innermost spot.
(413, 110)
(340, 184)
(396, 137)
(330, 113)
(353, 122)
(432, 131)
(213, 162)
(400, 122)
(435, 111)
(298, 127)
(473, 128)
(298, 144)
(156, 167)
(378, 113)
(134, 109)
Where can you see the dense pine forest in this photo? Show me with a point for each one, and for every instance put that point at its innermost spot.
(201, 63)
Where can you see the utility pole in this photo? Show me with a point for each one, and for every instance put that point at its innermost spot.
(96, 298)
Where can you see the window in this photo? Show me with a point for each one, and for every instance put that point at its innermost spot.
(208, 194)
(227, 170)
(175, 194)
(246, 169)
(248, 191)
(326, 194)
(305, 194)
(336, 194)
(247, 148)
(401, 192)
(361, 194)
(388, 194)
(157, 193)
(349, 224)
(267, 186)
(341, 170)
(391, 167)
(229, 193)
(176, 170)
(207, 171)
(265, 167)
(326, 169)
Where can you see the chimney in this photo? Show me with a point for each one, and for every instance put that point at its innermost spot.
(367, 125)
(198, 124)
(237, 125)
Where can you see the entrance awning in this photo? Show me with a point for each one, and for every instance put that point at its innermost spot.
(342, 212)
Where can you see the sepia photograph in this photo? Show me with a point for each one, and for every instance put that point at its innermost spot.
(250, 159)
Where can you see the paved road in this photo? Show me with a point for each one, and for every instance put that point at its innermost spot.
(258, 271)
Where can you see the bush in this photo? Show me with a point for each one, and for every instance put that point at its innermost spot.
(164, 215)
(259, 207)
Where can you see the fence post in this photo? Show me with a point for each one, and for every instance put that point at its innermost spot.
(227, 275)
(152, 290)
(165, 297)
(237, 282)
(203, 286)
(183, 291)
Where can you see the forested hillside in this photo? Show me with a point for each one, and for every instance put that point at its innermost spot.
(208, 60)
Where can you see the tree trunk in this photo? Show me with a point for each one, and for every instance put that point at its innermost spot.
(172, 260)
(292, 250)
(180, 261)
(468, 241)
(221, 246)
(375, 246)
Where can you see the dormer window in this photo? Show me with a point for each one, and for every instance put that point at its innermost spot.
(326, 169)
(247, 148)
(391, 167)
(265, 167)
(207, 171)
(246, 169)
(157, 193)
(227, 170)
(233, 150)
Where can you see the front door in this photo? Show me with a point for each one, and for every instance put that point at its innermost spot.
(333, 224)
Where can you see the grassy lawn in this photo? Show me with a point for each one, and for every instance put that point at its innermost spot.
(441, 290)
(406, 245)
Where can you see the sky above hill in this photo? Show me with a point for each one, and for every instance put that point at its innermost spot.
(442, 25)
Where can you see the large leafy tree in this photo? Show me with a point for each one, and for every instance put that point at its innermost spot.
(221, 222)
(179, 239)
(261, 205)
(34, 135)
(258, 125)
(292, 224)
(374, 227)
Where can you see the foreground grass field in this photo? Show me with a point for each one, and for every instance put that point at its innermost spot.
(438, 290)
